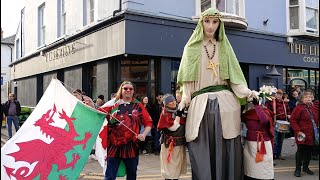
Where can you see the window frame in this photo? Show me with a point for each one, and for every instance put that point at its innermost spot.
(241, 10)
(302, 26)
(91, 11)
(41, 25)
(63, 17)
(18, 54)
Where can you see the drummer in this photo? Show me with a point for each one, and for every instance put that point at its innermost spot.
(282, 112)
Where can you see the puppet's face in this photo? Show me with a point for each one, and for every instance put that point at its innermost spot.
(210, 26)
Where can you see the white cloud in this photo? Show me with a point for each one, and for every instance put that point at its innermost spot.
(10, 16)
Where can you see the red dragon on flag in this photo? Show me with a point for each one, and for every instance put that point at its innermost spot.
(44, 154)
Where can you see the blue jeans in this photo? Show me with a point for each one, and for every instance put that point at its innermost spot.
(15, 121)
(157, 141)
(113, 165)
(278, 141)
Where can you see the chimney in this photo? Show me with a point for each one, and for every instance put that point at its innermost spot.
(1, 33)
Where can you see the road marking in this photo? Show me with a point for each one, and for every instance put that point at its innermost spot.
(292, 169)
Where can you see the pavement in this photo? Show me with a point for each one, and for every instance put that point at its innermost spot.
(149, 165)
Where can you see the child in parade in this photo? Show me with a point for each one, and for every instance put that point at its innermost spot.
(173, 159)
(258, 153)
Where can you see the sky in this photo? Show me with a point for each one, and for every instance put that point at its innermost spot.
(10, 16)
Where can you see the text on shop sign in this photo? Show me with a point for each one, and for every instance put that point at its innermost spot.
(61, 52)
(311, 52)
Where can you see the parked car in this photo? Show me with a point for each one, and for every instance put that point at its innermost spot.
(24, 114)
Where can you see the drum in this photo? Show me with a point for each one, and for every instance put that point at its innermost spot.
(282, 126)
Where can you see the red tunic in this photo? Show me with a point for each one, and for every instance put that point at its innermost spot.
(259, 125)
(300, 121)
(118, 139)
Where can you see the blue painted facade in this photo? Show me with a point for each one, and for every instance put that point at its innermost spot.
(166, 38)
(272, 10)
(179, 9)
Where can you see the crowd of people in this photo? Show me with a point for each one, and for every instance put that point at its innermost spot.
(204, 118)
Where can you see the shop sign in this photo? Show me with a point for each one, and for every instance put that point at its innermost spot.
(311, 53)
(60, 52)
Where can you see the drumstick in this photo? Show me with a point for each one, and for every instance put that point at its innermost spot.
(279, 114)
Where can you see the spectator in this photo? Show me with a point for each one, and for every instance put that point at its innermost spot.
(303, 121)
(286, 97)
(122, 141)
(81, 96)
(282, 112)
(100, 101)
(112, 95)
(173, 159)
(156, 110)
(12, 111)
(178, 96)
(298, 89)
(315, 103)
(212, 84)
(293, 100)
(143, 144)
(3, 117)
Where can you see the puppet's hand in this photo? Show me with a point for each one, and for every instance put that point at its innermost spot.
(182, 105)
(253, 94)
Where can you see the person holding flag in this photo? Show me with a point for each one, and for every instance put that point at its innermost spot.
(121, 135)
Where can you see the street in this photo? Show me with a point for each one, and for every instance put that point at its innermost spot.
(149, 165)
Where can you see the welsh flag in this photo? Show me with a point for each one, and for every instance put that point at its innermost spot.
(55, 141)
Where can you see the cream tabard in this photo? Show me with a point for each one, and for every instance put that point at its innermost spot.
(228, 102)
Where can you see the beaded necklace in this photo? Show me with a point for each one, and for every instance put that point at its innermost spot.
(214, 51)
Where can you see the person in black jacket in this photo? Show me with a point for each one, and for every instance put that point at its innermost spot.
(12, 110)
(155, 115)
(2, 114)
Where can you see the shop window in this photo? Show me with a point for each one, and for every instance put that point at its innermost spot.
(303, 17)
(301, 77)
(142, 74)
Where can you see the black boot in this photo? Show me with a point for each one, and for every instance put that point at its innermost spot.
(306, 161)
(297, 172)
(308, 171)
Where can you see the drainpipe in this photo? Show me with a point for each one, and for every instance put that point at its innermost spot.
(118, 10)
(10, 52)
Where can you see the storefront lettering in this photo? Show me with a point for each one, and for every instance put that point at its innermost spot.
(311, 52)
(61, 52)
(311, 59)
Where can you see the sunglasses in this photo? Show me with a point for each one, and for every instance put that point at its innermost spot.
(126, 89)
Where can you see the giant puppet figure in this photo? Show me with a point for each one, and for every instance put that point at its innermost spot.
(213, 88)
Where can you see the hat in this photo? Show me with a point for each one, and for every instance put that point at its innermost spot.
(101, 97)
(168, 98)
(279, 91)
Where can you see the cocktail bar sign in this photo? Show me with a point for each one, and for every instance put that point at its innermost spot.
(311, 53)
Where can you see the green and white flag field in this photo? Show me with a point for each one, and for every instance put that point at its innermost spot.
(55, 141)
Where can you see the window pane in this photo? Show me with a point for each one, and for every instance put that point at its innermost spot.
(312, 3)
(174, 70)
(63, 24)
(312, 77)
(153, 74)
(221, 5)
(294, 18)
(232, 7)
(91, 10)
(133, 70)
(294, 2)
(62, 6)
(205, 4)
(311, 18)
